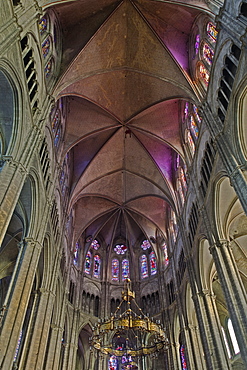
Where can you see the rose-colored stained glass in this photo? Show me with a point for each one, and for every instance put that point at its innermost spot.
(95, 244)
(145, 245)
(120, 249)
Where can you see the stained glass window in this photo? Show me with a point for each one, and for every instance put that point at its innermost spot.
(211, 31)
(120, 249)
(191, 142)
(42, 25)
(194, 127)
(197, 44)
(76, 254)
(204, 74)
(115, 269)
(57, 137)
(165, 251)
(153, 264)
(48, 68)
(180, 191)
(55, 121)
(95, 244)
(125, 269)
(18, 346)
(144, 266)
(208, 53)
(183, 178)
(96, 267)
(112, 363)
(145, 245)
(46, 47)
(88, 262)
(186, 110)
(182, 356)
(196, 113)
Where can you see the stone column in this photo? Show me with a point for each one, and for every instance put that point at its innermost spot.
(38, 343)
(214, 351)
(173, 356)
(73, 344)
(234, 291)
(55, 344)
(192, 351)
(17, 300)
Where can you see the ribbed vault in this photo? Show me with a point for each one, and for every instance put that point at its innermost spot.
(125, 79)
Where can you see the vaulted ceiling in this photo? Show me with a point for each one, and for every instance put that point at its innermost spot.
(125, 76)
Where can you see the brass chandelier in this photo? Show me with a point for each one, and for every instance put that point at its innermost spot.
(128, 333)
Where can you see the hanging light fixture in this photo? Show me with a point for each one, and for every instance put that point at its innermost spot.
(128, 334)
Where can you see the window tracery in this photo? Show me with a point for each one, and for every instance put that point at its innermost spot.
(120, 248)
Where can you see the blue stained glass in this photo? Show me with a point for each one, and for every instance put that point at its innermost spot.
(57, 137)
(112, 363)
(182, 356)
(42, 25)
(88, 262)
(96, 268)
(144, 266)
(196, 113)
(125, 269)
(48, 68)
(46, 47)
(115, 269)
(153, 265)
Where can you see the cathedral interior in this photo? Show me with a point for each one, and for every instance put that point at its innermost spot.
(123, 184)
